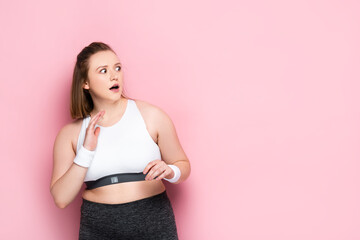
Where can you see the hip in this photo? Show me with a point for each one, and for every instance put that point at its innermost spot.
(147, 218)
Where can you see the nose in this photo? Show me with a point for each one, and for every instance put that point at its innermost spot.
(114, 75)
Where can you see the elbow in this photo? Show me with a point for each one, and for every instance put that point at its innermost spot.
(60, 204)
(187, 170)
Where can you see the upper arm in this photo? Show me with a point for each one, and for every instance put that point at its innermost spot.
(63, 153)
(168, 141)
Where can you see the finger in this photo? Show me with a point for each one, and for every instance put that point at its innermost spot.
(92, 119)
(165, 173)
(97, 131)
(98, 117)
(158, 164)
(153, 175)
(150, 165)
(161, 173)
(151, 171)
(95, 120)
(156, 170)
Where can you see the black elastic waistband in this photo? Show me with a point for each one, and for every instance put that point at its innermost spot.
(115, 178)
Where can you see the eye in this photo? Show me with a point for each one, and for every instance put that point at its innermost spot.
(119, 67)
(103, 69)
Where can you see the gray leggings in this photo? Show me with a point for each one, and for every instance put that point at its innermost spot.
(147, 218)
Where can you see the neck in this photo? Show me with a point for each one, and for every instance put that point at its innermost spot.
(112, 111)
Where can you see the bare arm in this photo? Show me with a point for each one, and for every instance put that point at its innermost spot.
(171, 149)
(67, 177)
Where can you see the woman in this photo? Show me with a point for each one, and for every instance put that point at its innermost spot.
(114, 146)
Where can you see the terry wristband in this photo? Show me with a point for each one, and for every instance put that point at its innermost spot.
(177, 174)
(84, 157)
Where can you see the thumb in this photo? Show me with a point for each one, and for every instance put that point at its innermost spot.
(97, 131)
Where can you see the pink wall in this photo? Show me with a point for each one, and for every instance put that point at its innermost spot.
(264, 96)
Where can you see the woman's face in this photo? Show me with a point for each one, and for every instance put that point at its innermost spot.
(104, 71)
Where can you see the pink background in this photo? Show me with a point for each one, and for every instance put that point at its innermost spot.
(264, 96)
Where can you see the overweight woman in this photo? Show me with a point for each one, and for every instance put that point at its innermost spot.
(122, 149)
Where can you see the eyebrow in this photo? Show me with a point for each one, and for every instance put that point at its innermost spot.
(107, 65)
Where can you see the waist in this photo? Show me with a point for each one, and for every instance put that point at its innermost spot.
(124, 192)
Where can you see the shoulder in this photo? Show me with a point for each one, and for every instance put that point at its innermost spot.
(153, 114)
(150, 110)
(68, 133)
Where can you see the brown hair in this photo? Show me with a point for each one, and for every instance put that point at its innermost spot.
(81, 103)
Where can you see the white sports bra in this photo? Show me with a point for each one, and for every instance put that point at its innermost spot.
(124, 148)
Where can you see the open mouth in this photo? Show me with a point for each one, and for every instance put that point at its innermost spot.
(115, 86)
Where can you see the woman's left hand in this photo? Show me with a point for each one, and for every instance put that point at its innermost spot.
(158, 168)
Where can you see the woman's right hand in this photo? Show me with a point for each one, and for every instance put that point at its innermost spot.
(91, 135)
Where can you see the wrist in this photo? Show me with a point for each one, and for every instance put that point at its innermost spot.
(84, 157)
(175, 176)
(172, 174)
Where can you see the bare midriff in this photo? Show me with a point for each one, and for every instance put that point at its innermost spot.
(124, 192)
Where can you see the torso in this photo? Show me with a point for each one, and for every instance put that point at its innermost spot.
(127, 191)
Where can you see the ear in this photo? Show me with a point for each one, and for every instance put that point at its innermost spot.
(86, 85)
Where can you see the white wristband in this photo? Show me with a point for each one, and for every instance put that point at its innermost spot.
(177, 174)
(84, 157)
